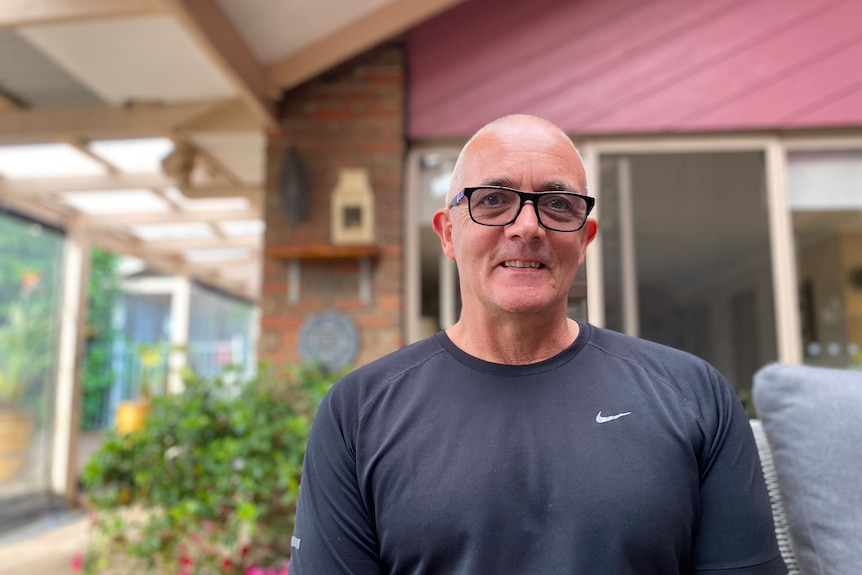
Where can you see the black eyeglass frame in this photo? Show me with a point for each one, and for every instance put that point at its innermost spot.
(524, 197)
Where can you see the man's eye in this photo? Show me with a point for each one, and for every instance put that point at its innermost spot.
(559, 203)
(491, 200)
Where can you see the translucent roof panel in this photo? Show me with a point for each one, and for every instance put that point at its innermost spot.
(116, 201)
(206, 204)
(143, 155)
(172, 231)
(45, 161)
(242, 227)
(216, 254)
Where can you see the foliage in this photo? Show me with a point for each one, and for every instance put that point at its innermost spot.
(103, 293)
(27, 248)
(28, 280)
(152, 367)
(210, 484)
(26, 345)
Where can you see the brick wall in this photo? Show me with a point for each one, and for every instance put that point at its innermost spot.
(352, 116)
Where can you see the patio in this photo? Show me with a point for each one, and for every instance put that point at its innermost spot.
(45, 546)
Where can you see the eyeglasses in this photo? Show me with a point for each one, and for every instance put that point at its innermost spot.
(499, 206)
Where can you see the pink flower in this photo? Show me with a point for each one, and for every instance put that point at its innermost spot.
(77, 562)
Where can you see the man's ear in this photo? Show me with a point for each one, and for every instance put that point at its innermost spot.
(442, 225)
(589, 231)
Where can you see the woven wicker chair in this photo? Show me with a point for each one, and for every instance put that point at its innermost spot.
(782, 530)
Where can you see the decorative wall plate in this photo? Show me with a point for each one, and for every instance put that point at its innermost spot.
(329, 339)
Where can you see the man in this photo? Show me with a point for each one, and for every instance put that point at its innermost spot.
(522, 441)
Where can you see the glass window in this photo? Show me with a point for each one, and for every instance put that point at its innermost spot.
(439, 305)
(825, 196)
(30, 265)
(685, 246)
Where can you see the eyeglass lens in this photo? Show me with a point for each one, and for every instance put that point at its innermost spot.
(500, 207)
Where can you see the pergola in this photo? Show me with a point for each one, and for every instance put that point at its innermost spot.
(140, 126)
(197, 78)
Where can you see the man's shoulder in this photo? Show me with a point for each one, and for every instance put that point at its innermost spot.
(635, 348)
(367, 380)
(659, 361)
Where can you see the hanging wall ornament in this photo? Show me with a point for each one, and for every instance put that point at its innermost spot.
(293, 187)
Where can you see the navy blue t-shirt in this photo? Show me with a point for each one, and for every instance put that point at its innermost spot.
(615, 456)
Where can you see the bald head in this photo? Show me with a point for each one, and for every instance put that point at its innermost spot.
(496, 138)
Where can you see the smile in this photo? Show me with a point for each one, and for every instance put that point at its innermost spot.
(520, 264)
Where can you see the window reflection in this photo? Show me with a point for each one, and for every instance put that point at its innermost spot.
(29, 287)
(825, 195)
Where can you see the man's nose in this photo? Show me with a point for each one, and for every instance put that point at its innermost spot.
(527, 223)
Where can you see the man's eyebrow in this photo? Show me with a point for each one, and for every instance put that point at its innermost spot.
(548, 186)
(503, 182)
(558, 186)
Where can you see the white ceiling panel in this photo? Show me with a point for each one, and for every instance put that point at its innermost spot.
(133, 59)
(46, 161)
(205, 204)
(243, 227)
(115, 201)
(172, 231)
(140, 155)
(243, 154)
(216, 254)
(275, 29)
(35, 80)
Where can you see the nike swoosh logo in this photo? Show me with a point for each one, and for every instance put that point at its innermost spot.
(604, 419)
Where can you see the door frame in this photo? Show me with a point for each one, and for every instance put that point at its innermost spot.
(782, 245)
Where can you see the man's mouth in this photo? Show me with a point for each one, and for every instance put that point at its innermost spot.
(522, 264)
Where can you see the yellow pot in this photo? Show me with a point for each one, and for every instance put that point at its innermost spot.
(130, 416)
(16, 431)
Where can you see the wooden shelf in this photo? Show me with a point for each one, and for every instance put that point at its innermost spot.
(321, 252)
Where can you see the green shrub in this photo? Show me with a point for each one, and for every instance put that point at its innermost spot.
(210, 484)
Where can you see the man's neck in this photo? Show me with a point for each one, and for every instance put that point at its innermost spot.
(515, 342)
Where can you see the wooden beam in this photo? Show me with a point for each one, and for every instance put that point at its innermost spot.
(8, 103)
(228, 116)
(252, 193)
(250, 241)
(45, 212)
(29, 187)
(105, 234)
(216, 265)
(181, 140)
(389, 20)
(39, 186)
(174, 265)
(164, 261)
(105, 122)
(81, 146)
(205, 21)
(126, 219)
(38, 12)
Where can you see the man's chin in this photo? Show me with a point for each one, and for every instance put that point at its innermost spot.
(527, 303)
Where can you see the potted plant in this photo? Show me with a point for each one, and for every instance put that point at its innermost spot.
(209, 483)
(26, 344)
(131, 413)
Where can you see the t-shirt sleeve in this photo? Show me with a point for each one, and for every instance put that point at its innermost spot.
(334, 532)
(736, 533)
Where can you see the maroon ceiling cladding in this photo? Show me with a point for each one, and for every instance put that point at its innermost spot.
(629, 66)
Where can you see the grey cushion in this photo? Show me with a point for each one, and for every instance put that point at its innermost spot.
(779, 515)
(812, 417)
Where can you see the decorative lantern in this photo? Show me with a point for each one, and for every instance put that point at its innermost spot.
(353, 208)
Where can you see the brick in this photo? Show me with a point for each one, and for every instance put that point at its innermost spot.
(352, 116)
(374, 321)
